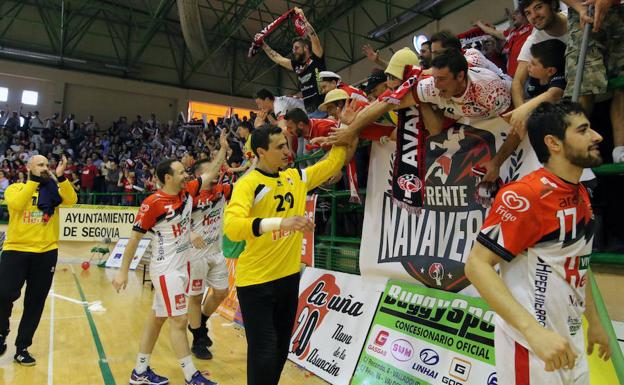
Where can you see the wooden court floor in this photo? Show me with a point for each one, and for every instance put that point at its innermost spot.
(70, 350)
(76, 348)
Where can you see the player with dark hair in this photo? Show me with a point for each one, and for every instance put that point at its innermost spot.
(208, 267)
(166, 215)
(267, 211)
(540, 231)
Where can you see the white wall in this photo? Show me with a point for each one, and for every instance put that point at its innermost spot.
(105, 97)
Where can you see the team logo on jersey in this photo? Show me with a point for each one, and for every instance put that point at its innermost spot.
(515, 202)
(180, 301)
(144, 208)
(197, 284)
(492, 379)
(432, 245)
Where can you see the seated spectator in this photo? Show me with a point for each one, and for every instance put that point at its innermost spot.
(20, 177)
(4, 183)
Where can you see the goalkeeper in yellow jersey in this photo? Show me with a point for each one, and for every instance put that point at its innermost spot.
(267, 211)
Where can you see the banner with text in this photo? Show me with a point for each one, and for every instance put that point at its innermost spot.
(431, 246)
(332, 320)
(116, 256)
(94, 223)
(423, 336)
(307, 245)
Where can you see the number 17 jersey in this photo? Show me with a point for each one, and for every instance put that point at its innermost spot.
(543, 227)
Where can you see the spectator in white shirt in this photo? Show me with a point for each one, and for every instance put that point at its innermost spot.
(548, 23)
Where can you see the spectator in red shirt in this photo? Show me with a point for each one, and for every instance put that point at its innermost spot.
(70, 169)
(514, 37)
(300, 125)
(87, 179)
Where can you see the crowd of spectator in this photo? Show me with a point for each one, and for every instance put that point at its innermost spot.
(117, 159)
(513, 71)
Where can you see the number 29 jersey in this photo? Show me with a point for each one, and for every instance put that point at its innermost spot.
(543, 227)
(168, 219)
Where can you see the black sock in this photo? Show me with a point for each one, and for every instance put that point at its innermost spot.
(197, 333)
(204, 321)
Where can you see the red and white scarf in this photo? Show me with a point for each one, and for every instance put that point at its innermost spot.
(300, 28)
(408, 183)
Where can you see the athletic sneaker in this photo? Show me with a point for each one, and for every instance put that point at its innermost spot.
(200, 349)
(24, 358)
(199, 379)
(148, 377)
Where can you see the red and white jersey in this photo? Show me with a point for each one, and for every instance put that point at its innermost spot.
(354, 93)
(486, 96)
(544, 228)
(476, 59)
(207, 217)
(168, 219)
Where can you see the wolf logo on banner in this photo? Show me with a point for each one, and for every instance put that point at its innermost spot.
(431, 246)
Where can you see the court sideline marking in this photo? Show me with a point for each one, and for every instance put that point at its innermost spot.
(107, 375)
(51, 346)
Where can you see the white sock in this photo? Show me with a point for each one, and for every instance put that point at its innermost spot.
(618, 154)
(188, 367)
(142, 363)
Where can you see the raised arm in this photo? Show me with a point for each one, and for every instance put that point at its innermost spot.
(66, 189)
(373, 55)
(490, 30)
(317, 48)
(276, 57)
(315, 175)
(215, 167)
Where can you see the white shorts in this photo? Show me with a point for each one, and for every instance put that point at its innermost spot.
(516, 365)
(208, 271)
(170, 291)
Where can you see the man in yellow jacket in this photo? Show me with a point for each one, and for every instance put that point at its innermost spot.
(31, 248)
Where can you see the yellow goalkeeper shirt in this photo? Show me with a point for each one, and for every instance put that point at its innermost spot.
(257, 195)
(27, 231)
